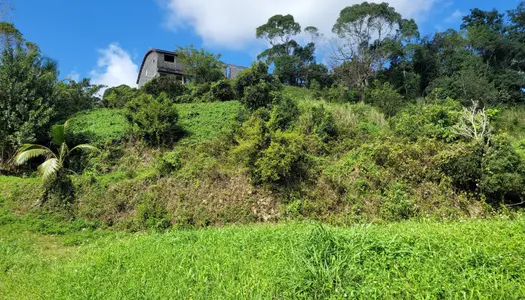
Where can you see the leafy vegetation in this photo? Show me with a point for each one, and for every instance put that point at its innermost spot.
(480, 259)
(419, 137)
(98, 126)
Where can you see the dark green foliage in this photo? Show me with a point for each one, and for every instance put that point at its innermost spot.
(72, 97)
(463, 165)
(222, 90)
(119, 96)
(27, 82)
(153, 119)
(252, 76)
(385, 97)
(284, 113)
(321, 123)
(503, 173)
(339, 93)
(258, 96)
(169, 85)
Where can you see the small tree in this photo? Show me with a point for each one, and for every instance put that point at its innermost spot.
(54, 165)
(170, 85)
(474, 124)
(119, 96)
(200, 65)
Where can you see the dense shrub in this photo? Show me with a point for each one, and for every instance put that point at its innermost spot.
(282, 160)
(339, 93)
(385, 97)
(283, 114)
(503, 173)
(270, 154)
(462, 164)
(170, 162)
(222, 90)
(257, 96)
(119, 96)
(322, 123)
(253, 76)
(153, 119)
(151, 213)
(434, 120)
(170, 85)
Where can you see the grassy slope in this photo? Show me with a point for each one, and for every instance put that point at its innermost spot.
(99, 125)
(200, 121)
(205, 121)
(478, 259)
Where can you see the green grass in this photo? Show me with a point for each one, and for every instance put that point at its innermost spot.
(467, 260)
(200, 121)
(99, 125)
(205, 121)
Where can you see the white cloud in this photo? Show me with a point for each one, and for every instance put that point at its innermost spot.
(232, 23)
(73, 76)
(115, 67)
(454, 17)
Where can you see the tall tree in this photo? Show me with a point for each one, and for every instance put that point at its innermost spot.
(27, 82)
(365, 33)
(201, 66)
(279, 32)
(290, 59)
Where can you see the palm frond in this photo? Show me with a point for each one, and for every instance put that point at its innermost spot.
(58, 134)
(49, 168)
(85, 147)
(30, 152)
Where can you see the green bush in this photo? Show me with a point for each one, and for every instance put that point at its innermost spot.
(322, 123)
(283, 114)
(168, 163)
(282, 160)
(433, 120)
(462, 164)
(385, 97)
(222, 90)
(397, 204)
(503, 173)
(258, 96)
(151, 213)
(339, 93)
(153, 119)
(253, 76)
(170, 85)
(119, 96)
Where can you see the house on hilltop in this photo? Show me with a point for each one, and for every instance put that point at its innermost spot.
(161, 63)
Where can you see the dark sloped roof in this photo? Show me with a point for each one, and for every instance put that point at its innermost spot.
(148, 53)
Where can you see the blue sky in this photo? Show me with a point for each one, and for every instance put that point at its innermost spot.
(106, 39)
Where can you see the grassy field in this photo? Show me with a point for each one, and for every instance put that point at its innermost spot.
(45, 258)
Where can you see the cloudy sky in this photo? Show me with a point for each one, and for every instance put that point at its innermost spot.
(105, 40)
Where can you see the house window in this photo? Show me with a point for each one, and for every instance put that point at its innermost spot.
(169, 58)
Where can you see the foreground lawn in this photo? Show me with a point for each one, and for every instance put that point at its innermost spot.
(467, 260)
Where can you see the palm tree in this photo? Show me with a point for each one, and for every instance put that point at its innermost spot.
(54, 163)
